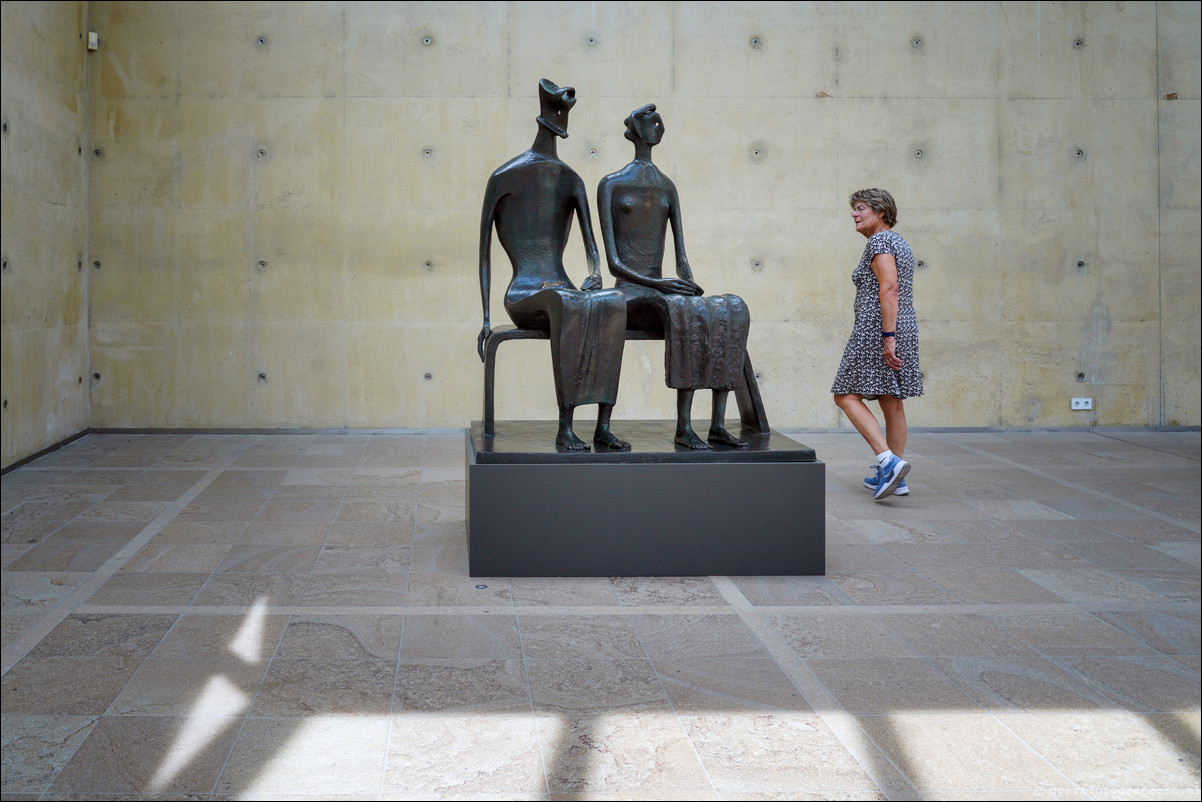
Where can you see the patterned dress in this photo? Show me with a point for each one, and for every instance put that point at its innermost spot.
(863, 370)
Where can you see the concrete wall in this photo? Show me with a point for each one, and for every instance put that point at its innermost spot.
(43, 227)
(286, 211)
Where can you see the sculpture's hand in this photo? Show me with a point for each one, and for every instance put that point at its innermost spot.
(480, 340)
(676, 286)
(593, 282)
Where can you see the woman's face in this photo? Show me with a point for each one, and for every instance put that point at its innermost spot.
(867, 219)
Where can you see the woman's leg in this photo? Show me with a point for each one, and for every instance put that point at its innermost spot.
(861, 417)
(896, 429)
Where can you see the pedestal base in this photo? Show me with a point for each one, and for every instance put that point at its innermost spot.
(657, 510)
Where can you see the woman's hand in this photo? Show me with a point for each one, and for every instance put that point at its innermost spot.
(890, 353)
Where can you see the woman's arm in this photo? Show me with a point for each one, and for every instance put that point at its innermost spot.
(884, 267)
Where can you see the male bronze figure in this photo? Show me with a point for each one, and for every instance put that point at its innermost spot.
(705, 336)
(531, 199)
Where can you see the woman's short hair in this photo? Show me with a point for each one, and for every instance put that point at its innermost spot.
(878, 199)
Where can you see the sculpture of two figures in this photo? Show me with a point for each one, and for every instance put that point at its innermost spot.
(531, 200)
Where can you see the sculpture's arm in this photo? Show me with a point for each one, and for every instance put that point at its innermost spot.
(492, 197)
(580, 198)
(682, 260)
(616, 267)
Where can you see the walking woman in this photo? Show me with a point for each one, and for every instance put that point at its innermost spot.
(881, 358)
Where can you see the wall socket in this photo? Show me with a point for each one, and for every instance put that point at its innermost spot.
(1081, 403)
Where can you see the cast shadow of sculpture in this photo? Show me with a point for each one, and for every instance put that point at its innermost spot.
(530, 200)
(705, 336)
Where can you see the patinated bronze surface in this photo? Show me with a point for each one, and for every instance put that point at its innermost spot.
(705, 336)
(531, 200)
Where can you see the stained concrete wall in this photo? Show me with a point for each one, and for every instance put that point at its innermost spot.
(286, 211)
(43, 226)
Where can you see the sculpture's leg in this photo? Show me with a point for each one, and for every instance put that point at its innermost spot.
(566, 438)
(718, 431)
(603, 436)
(685, 436)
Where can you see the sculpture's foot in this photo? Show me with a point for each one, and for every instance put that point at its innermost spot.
(604, 438)
(567, 440)
(688, 438)
(719, 435)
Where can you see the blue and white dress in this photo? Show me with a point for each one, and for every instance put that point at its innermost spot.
(863, 370)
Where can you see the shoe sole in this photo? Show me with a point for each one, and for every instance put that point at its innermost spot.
(898, 491)
(894, 481)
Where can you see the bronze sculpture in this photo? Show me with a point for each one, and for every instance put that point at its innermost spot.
(531, 199)
(705, 336)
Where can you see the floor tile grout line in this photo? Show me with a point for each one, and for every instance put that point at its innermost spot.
(867, 755)
(22, 645)
(1143, 511)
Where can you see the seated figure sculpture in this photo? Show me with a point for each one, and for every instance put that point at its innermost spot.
(531, 199)
(705, 336)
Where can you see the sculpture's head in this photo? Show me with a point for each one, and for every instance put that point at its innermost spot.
(645, 125)
(554, 104)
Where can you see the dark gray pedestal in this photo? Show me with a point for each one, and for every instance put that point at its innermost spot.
(656, 510)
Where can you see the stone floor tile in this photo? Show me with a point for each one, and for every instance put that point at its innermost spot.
(592, 591)
(253, 636)
(764, 753)
(455, 637)
(342, 636)
(199, 533)
(150, 755)
(70, 686)
(1167, 584)
(435, 757)
(553, 637)
(192, 687)
(442, 590)
(1024, 683)
(54, 556)
(1069, 633)
(377, 534)
(362, 589)
(1143, 683)
(338, 558)
(892, 587)
(36, 748)
(299, 511)
(326, 686)
(942, 635)
(964, 752)
(267, 558)
(158, 556)
(462, 688)
(595, 687)
(602, 755)
(816, 591)
(282, 756)
(981, 586)
(1175, 633)
(27, 590)
(675, 590)
(696, 635)
(246, 590)
(838, 637)
(394, 512)
(13, 625)
(1113, 749)
(104, 635)
(1090, 586)
(284, 533)
(149, 589)
(701, 685)
(884, 687)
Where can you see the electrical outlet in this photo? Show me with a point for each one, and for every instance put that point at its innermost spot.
(1081, 403)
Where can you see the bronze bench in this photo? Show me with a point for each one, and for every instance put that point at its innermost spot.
(747, 394)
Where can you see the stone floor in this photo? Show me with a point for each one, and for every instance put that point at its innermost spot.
(290, 617)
